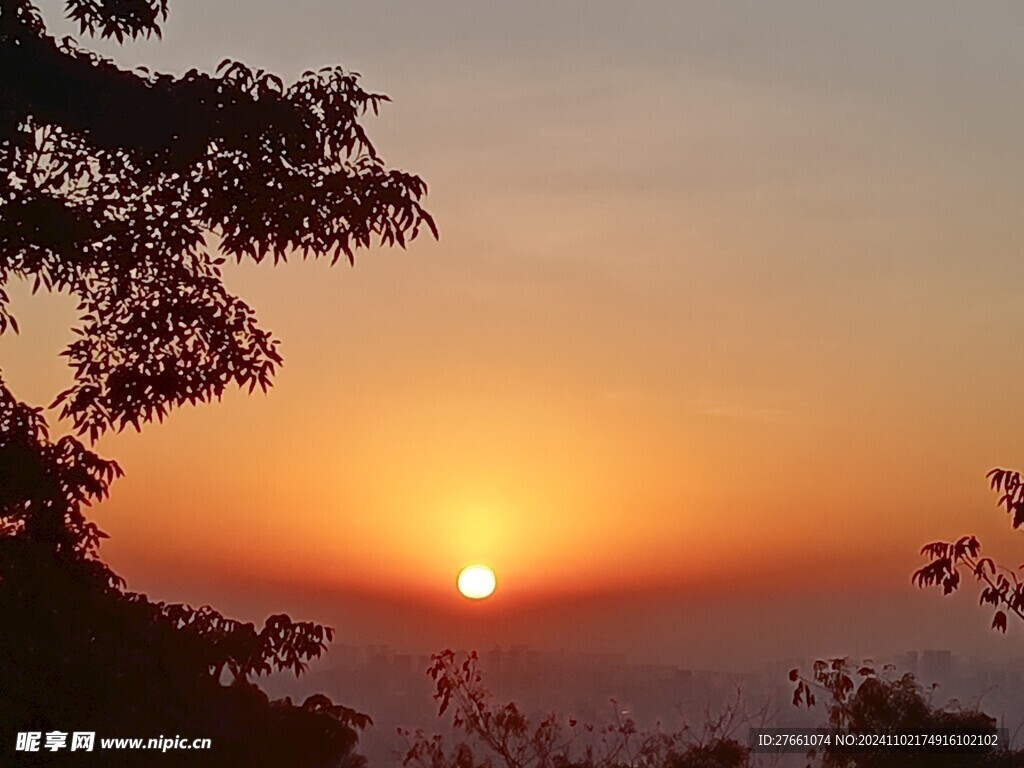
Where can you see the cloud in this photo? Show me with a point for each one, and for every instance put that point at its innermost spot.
(738, 412)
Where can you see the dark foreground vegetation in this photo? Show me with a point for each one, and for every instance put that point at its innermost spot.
(78, 652)
(488, 734)
(503, 736)
(861, 700)
(128, 190)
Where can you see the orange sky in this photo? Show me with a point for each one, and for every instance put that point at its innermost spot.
(713, 310)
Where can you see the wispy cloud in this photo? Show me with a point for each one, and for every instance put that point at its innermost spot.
(739, 412)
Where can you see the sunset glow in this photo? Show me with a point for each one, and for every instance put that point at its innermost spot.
(476, 582)
(719, 295)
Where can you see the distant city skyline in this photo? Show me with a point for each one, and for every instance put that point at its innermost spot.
(394, 685)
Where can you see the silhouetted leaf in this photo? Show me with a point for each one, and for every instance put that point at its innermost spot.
(999, 621)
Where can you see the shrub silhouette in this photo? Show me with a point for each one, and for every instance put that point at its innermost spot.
(893, 704)
(503, 736)
(129, 189)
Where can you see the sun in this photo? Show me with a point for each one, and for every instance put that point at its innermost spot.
(476, 582)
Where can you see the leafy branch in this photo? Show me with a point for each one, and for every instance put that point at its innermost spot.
(1001, 587)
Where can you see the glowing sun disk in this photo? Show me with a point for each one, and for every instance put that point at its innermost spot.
(476, 582)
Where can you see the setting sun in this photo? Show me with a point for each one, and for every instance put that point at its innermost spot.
(685, 316)
(476, 582)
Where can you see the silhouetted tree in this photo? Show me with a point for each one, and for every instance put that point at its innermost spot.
(1001, 588)
(503, 736)
(79, 652)
(891, 704)
(128, 189)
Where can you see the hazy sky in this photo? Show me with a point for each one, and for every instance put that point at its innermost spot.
(720, 330)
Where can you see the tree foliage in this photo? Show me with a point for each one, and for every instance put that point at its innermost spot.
(77, 648)
(129, 189)
(503, 736)
(1001, 587)
(889, 703)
